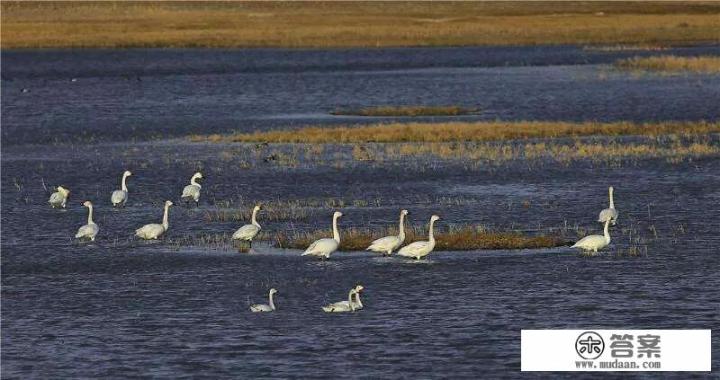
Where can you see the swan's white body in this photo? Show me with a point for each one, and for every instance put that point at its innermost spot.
(388, 244)
(90, 230)
(59, 198)
(609, 213)
(420, 249)
(192, 191)
(248, 231)
(155, 230)
(260, 308)
(595, 242)
(342, 306)
(119, 197)
(324, 247)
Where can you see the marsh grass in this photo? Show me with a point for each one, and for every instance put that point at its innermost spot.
(461, 131)
(616, 48)
(671, 64)
(407, 111)
(458, 238)
(352, 24)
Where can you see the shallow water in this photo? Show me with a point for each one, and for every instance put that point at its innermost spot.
(119, 307)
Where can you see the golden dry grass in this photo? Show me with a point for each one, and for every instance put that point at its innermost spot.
(462, 131)
(464, 238)
(407, 111)
(353, 24)
(671, 63)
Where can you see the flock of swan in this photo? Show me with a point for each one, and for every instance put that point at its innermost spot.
(321, 248)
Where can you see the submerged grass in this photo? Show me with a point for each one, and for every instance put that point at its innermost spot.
(462, 131)
(462, 238)
(408, 111)
(215, 24)
(671, 63)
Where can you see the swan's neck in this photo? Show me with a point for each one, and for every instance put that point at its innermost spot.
(90, 209)
(165, 222)
(254, 220)
(401, 233)
(336, 233)
(350, 299)
(612, 202)
(123, 186)
(357, 300)
(193, 181)
(431, 238)
(606, 232)
(272, 304)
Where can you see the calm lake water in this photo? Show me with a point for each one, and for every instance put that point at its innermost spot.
(122, 308)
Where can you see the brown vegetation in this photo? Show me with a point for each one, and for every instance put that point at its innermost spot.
(352, 24)
(671, 63)
(462, 131)
(408, 111)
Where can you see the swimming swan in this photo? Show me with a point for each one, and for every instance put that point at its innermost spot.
(324, 247)
(154, 230)
(609, 213)
(192, 191)
(248, 231)
(343, 306)
(259, 308)
(90, 230)
(388, 244)
(59, 198)
(594, 242)
(119, 197)
(356, 303)
(420, 249)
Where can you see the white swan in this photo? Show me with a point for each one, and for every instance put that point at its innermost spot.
(324, 247)
(609, 213)
(259, 308)
(355, 300)
(420, 249)
(90, 230)
(388, 244)
(342, 306)
(59, 198)
(248, 231)
(192, 191)
(595, 242)
(119, 197)
(154, 230)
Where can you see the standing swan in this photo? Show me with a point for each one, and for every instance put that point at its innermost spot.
(324, 247)
(59, 198)
(119, 197)
(420, 249)
(259, 308)
(248, 231)
(388, 244)
(192, 191)
(595, 242)
(343, 306)
(609, 213)
(90, 230)
(154, 230)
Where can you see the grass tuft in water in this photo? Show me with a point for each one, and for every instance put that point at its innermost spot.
(407, 111)
(671, 64)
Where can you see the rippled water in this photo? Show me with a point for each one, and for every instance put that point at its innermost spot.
(119, 307)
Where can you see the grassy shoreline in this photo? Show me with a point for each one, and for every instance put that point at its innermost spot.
(460, 131)
(671, 64)
(353, 24)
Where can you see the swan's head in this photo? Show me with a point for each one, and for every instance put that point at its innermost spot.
(273, 291)
(611, 189)
(359, 288)
(87, 204)
(197, 175)
(168, 203)
(256, 208)
(63, 190)
(434, 218)
(337, 214)
(404, 212)
(127, 173)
